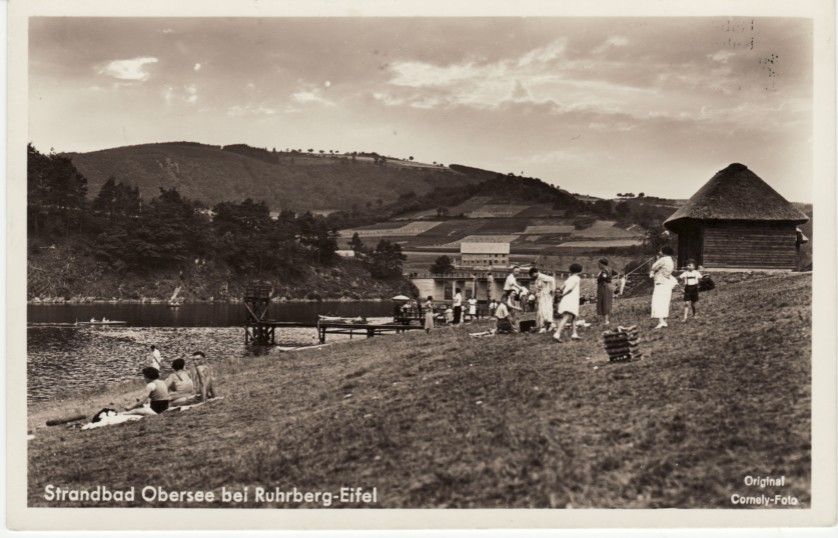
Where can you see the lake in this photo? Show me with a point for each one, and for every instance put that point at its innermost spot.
(62, 361)
(201, 314)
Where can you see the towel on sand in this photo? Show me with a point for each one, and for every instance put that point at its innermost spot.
(111, 419)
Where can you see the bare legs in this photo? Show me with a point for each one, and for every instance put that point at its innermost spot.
(689, 305)
(565, 319)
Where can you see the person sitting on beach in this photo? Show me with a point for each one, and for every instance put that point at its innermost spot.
(504, 316)
(203, 376)
(180, 385)
(158, 395)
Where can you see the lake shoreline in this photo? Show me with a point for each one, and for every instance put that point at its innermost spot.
(54, 301)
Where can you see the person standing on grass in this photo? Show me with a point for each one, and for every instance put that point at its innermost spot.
(569, 303)
(429, 314)
(691, 277)
(604, 291)
(661, 273)
(544, 287)
(458, 306)
(472, 309)
(511, 282)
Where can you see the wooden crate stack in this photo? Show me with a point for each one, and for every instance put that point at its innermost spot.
(622, 344)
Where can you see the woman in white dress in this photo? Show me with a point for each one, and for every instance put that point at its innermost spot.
(661, 273)
(569, 303)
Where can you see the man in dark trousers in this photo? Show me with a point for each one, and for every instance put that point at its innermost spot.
(458, 306)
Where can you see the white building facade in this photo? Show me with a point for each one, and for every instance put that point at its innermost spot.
(484, 255)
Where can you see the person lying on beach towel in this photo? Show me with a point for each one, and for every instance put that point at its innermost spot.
(109, 417)
(158, 395)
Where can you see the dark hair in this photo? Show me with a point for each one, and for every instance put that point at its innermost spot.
(430, 297)
(575, 268)
(150, 372)
(458, 290)
(533, 270)
(178, 364)
(153, 346)
(690, 261)
(667, 251)
(199, 354)
(603, 261)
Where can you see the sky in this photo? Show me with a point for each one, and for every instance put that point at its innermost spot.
(594, 105)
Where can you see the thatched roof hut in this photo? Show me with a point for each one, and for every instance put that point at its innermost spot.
(737, 220)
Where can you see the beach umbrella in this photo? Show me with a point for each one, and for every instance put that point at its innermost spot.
(401, 298)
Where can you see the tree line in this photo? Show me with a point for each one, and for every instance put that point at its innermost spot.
(172, 231)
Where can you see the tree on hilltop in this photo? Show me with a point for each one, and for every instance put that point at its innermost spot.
(442, 266)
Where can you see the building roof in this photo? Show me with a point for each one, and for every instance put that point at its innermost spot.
(484, 248)
(736, 193)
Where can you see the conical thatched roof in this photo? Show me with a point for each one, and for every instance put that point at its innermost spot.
(736, 193)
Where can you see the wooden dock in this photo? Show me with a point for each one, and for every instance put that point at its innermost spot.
(265, 331)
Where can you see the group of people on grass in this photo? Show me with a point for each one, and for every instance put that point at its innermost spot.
(557, 308)
(179, 388)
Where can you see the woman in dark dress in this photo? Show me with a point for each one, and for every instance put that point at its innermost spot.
(604, 291)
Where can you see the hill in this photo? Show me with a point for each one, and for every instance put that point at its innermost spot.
(445, 420)
(285, 180)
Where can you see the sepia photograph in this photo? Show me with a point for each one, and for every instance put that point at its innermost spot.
(381, 262)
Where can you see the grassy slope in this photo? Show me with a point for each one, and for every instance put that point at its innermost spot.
(448, 420)
(211, 175)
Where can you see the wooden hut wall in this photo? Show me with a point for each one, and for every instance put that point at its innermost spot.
(749, 245)
(689, 244)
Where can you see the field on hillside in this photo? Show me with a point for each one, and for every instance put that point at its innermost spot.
(525, 234)
(448, 420)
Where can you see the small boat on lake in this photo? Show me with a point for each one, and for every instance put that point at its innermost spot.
(103, 321)
(91, 323)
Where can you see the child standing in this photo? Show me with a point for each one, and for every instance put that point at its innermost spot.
(429, 314)
(569, 303)
(691, 277)
(472, 308)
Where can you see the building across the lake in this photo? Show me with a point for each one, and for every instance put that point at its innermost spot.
(736, 220)
(484, 255)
